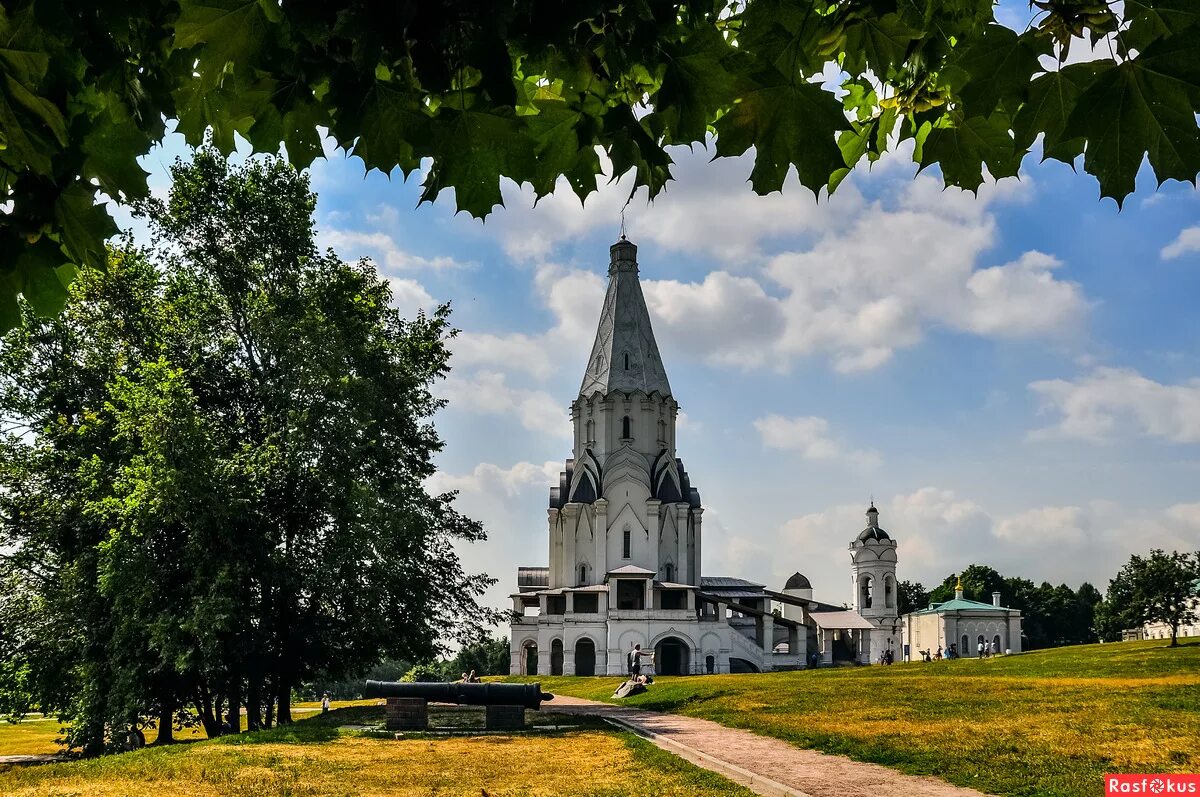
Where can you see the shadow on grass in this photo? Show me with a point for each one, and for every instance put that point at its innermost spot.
(316, 729)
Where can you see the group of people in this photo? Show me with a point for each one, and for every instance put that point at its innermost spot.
(985, 650)
(951, 653)
(468, 678)
(887, 657)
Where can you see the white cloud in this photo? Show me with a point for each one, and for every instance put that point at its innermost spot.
(1112, 401)
(724, 319)
(908, 262)
(409, 295)
(353, 244)
(488, 393)
(809, 436)
(1048, 524)
(488, 478)
(1187, 241)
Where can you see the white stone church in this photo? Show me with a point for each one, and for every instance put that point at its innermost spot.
(625, 534)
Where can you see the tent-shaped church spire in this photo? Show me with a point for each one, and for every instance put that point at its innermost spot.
(625, 355)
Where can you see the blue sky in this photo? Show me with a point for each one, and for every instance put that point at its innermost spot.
(1014, 377)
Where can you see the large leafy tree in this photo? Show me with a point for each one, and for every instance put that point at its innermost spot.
(531, 90)
(1158, 588)
(213, 472)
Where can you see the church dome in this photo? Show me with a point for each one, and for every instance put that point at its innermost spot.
(798, 581)
(872, 533)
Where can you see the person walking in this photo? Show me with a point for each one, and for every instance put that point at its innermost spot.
(981, 648)
(325, 703)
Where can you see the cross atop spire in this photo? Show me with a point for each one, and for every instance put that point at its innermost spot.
(625, 355)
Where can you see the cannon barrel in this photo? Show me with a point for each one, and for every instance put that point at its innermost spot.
(469, 694)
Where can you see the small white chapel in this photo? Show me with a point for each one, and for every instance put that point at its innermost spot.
(625, 542)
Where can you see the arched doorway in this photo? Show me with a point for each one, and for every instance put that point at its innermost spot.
(556, 657)
(996, 643)
(671, 657)
(531, 658)
(585, 657)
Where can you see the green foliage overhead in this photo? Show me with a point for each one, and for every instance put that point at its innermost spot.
(532, 89)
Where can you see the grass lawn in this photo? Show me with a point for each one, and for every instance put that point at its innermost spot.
(313, 757)
(39, 735)
(1043, 723)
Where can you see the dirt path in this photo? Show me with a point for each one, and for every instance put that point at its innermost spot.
(767, 766)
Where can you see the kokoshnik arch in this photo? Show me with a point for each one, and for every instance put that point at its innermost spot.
(625, 542)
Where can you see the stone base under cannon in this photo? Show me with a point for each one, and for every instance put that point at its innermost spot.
(504, 718)
(407, 714)
(412, 714)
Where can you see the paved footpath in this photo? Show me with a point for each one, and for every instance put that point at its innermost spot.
(766, 766)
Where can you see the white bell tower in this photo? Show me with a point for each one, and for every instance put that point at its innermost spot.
(873, 574)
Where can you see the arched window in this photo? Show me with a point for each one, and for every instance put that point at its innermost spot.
(626, 543)
(662, 432)
(591, 432)
(582, 575)
(625, 428)
(889, 592)
(669, 572)
(626, 361)
(867, 589)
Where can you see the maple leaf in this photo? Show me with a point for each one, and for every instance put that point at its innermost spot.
(1142, 107)
(788, 125)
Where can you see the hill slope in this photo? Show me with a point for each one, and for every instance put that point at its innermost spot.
(1045, 723)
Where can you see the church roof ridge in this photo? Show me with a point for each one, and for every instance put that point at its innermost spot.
(625, 355)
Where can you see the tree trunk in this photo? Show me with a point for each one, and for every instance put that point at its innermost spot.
(234, 717)
(285, 702)
(253, 706)
(204, 708)
(166, 725)
(1174, 636)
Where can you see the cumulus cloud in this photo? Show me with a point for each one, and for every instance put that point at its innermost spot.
(488, 393)
(809, 437)
(383, 248)
(408, 295)
(906, 263)
(1187, 241)
(724, 319)
(1112, 401)
(488, 478)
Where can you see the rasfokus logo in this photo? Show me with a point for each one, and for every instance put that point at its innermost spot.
(1151, 784)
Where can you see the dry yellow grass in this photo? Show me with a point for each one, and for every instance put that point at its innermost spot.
(1045, 723)
(37, 736)
(585, 762)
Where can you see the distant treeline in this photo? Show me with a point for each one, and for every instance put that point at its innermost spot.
(486, 656)
(1158, 587)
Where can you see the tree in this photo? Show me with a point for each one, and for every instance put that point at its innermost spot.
(910, 597)
(486, 655)
(1159, 588)
(212, 489)
(529, 90)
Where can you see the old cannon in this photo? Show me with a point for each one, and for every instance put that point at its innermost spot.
(408, 703)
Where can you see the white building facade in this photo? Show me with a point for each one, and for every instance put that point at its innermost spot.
(961, 625)
(625, 537)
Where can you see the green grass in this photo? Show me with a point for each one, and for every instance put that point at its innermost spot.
(1043, 723)
(315, 757)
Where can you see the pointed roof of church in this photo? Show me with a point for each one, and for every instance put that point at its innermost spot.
(625, 356)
